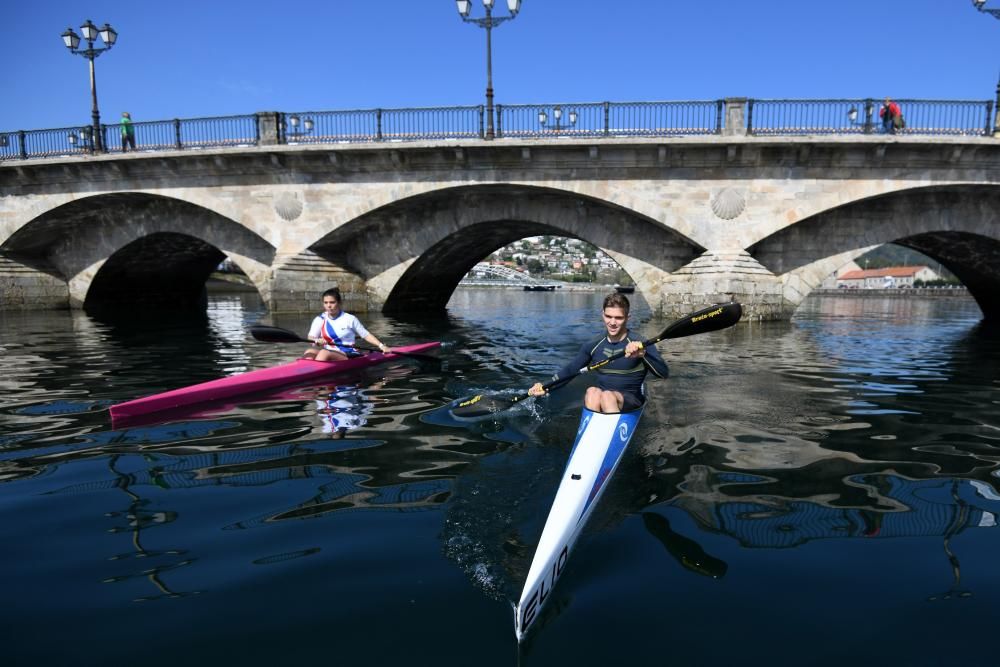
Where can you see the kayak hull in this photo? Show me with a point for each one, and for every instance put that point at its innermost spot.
(601, 440)
(264, 379)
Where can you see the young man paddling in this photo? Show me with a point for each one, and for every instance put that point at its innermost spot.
(619, 383)
(334, 332)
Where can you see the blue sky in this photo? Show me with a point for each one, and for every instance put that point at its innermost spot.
(186, 59)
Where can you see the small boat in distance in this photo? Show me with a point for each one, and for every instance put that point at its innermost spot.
(539, 288)
(625, 289)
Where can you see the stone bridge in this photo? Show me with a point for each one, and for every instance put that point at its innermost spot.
(692, 220)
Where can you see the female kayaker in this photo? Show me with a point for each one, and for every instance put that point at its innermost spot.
(619, 383)
(333, 332)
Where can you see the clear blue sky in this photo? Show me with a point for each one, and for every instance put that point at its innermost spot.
(186, 59)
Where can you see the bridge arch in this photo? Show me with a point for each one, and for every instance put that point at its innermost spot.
(412, 254)
(137, 247)
(956, 225)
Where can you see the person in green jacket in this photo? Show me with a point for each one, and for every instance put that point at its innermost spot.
(128, 132)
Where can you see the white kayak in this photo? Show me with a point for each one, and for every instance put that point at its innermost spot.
(600, 443)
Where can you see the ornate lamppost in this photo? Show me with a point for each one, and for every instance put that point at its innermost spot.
(72, 41)
(295, 133)
(995, 13)
(85, 135)
(557, 114)
(489, 22)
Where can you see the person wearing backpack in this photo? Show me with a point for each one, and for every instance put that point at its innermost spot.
(891, 116)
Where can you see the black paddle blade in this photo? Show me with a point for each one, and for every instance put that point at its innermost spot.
(705, 320)
(713, 318)
(481, 405)
(268, 334)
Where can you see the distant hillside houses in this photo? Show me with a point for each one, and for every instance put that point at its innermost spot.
(893, 276)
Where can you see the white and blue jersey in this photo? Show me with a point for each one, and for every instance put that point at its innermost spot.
(338, 332)
(345, 409)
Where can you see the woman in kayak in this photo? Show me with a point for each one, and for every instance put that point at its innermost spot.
(333, 331)
(619, 383)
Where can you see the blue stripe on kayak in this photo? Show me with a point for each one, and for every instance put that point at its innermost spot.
(624, 429)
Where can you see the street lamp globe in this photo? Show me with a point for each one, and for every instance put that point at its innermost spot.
(109, 35)
(89, 31)
(71, 39)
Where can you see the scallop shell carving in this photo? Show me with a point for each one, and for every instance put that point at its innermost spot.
(288, 206)
(728, 203)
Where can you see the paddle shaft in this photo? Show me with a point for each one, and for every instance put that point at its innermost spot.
(278, 335)
(705, 320)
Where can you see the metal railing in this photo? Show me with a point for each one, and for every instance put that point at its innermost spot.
(177, 134)
(861, 116)
(517, 121)
(366, 125)
(610, 119)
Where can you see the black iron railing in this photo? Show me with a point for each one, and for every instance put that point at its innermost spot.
(517, 121)
(861, 116)
(609, 119)
(323, 127)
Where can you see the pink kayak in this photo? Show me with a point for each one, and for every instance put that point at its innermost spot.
(297, 372)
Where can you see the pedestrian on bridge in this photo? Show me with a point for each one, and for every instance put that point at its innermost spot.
(128, 132)
(890, 113)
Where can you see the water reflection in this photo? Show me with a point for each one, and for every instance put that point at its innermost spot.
(860, 423)
(137, 519)
(686, 551)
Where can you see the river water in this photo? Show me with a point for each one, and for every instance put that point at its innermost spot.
(821, 491)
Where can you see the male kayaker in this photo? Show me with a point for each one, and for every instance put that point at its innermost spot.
(334, 331)
(619, 383)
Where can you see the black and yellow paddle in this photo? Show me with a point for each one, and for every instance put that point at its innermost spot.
(705, 320)
(268, 334)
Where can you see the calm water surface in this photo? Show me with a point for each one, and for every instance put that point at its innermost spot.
(823, 491)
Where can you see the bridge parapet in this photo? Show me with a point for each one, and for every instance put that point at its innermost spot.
(734, 116)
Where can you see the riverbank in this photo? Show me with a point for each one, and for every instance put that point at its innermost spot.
(920, 292)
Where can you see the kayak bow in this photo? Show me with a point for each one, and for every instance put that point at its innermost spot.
(601, 440)
(264, 379)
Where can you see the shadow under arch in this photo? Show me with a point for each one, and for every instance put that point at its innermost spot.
(958, 226)
(150, 249)
(415, 251)
(137, 274)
